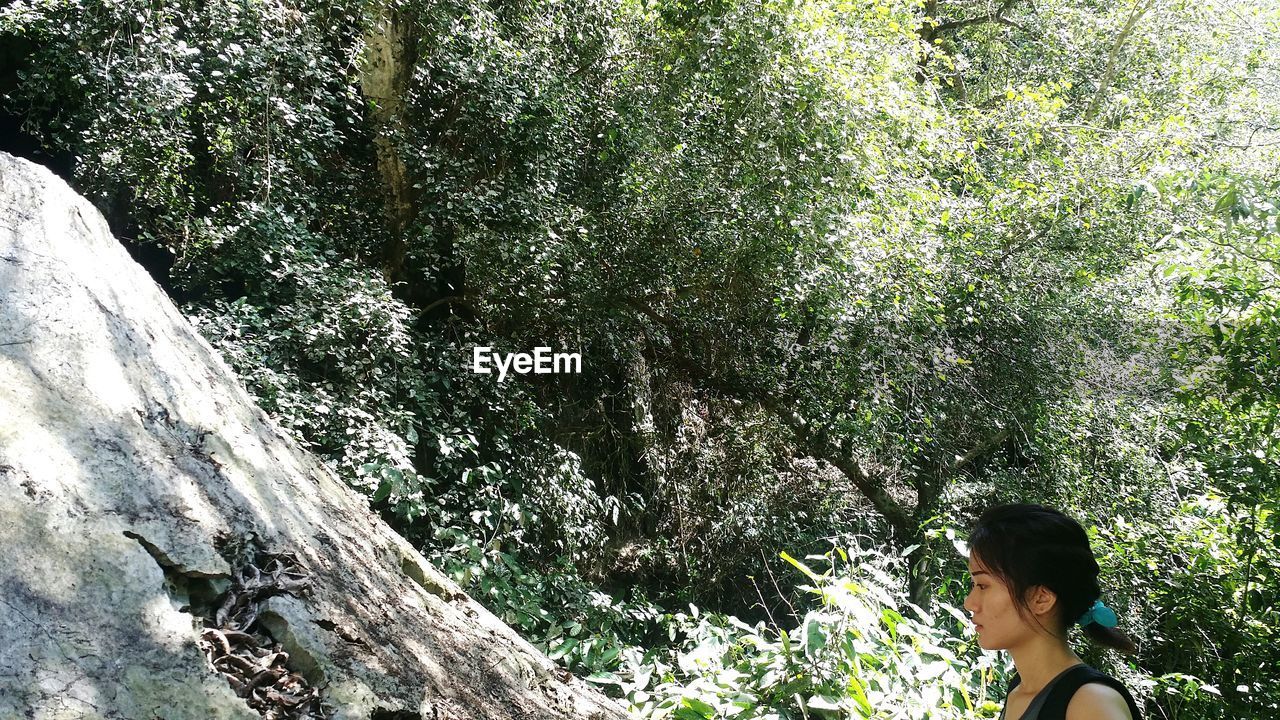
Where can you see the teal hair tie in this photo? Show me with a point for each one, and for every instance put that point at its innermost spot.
(1100, 614)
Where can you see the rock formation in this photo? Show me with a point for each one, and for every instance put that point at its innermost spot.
(169, 553)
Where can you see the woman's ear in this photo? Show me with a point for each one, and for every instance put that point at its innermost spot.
(1041, 600)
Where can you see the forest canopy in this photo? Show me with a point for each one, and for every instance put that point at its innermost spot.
(841, 275)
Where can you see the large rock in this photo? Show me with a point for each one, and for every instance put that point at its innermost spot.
(154, 520)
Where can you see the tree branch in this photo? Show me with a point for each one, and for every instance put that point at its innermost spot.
(871, 487)
(1140, 8)
(996, 16)
(982, 448)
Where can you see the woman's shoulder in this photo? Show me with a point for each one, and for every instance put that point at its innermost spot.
(1098, 701)
(1084, 693)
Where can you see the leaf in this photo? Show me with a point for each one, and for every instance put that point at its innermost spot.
(824, 702)
(933, 670)
(565, 647)
(859, 695)
(604, 678)
(1227, 202)
(800, 566)
(955, 613)
(815, 637)
(702, 709)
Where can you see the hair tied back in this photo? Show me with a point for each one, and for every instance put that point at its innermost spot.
(1099, 614)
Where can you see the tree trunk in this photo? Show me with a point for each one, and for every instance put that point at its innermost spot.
(920, 572)
(386, 67)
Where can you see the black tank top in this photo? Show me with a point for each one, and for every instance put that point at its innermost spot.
(1051, 702)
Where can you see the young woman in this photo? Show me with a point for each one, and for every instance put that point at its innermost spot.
(1034, 576)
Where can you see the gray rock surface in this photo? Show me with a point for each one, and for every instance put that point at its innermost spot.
(132, 467)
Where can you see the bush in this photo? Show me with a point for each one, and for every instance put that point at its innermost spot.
(852, 655)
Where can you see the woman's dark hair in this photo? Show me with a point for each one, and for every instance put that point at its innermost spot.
(1030, 545)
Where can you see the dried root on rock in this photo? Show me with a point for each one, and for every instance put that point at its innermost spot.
(238, 648)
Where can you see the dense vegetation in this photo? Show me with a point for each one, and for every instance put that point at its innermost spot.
(841, 274)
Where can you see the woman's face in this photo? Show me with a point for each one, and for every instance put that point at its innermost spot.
(990, 604)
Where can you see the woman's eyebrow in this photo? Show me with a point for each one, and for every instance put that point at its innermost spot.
(980, 572)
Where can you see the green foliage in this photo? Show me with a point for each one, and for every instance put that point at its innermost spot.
(1206, 581)
(834, 268)
(327, 349)
(568, 618)
(1223, 257)
(321, 339)
(190, 118)
(854, 655)
(1225, 261)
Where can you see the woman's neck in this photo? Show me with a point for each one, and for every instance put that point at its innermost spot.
(1040, 659)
